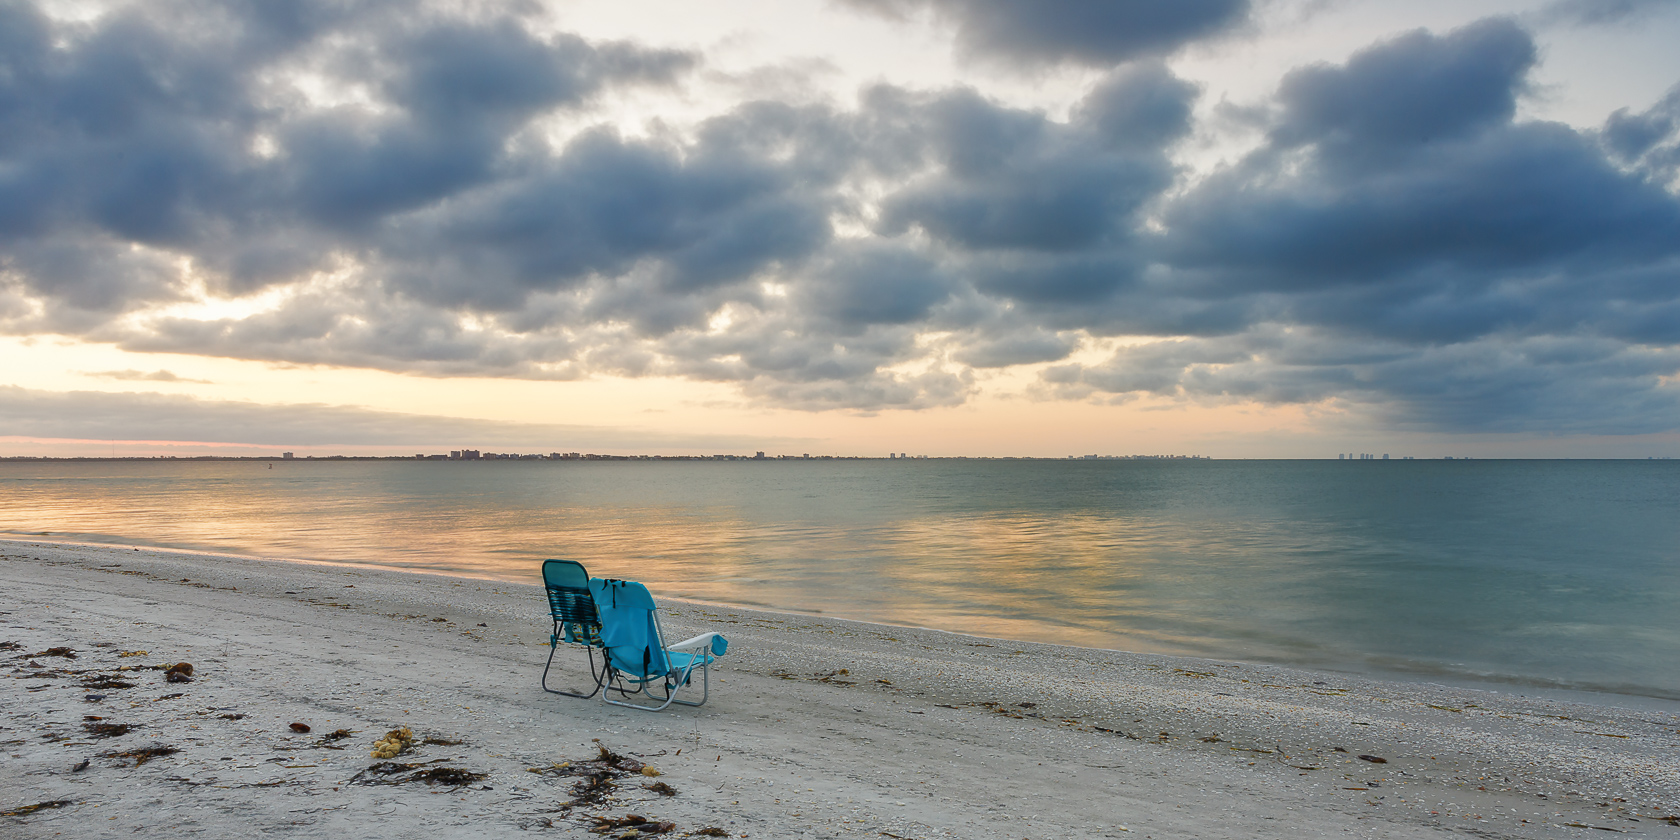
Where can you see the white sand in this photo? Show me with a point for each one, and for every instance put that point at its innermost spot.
(903, 745)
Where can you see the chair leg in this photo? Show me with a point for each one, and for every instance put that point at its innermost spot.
(672, 688)
(616, 683)
(705, 685)
(600, 677)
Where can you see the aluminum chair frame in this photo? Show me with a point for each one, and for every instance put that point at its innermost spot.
(576, 621)
(699, 653)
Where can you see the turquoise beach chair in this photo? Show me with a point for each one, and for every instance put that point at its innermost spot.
(576, 621)
(638, 660)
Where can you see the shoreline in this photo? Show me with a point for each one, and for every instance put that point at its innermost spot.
(976, 737)
(1515, 686)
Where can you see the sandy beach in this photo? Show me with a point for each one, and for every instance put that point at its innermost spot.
(816, 728)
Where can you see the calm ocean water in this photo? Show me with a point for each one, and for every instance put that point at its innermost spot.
(1534, 574)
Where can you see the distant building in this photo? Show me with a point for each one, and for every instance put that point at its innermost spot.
(286, 456)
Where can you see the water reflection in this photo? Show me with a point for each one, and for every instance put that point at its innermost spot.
(1549, 572)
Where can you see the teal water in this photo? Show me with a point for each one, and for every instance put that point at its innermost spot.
(1545, 574)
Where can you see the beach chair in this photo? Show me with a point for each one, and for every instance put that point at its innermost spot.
(576, 621)
(638, 660)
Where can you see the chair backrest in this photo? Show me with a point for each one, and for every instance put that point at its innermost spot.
(568, 592)
(630, 627)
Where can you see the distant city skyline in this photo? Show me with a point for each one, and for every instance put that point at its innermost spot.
(1240, 228)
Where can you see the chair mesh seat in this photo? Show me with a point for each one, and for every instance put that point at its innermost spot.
(576, 621)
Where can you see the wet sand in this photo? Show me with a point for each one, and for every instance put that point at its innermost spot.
(816, 727)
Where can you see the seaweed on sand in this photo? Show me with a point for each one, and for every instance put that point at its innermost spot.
(599, 775)
(107, 730)
(143, 754)
(391, 773)
(102, 682)
(639, 826)
(39, 806)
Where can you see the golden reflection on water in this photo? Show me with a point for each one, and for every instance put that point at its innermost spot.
(1428, 567)
(1030, 576)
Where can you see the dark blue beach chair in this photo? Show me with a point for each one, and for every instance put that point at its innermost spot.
(638, 660)
(576, 621)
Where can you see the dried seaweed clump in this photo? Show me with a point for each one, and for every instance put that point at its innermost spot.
(395, 743)
(638, 826)
(101, 681)
(180, 672)
(389, 773)
(144, 754)
(107, 730)
(39, 806)
(599, 775)
(446, 776)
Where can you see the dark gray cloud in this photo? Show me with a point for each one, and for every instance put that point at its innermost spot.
(130, 130)
(1399, 241)
(1013, 180)
(1077, 31)
(1539, 384)
(600, 207)
(1507, 275)
(1649, 141)
(1415, 90)
(1459, 201)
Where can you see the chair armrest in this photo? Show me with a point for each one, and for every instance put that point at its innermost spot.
(717, 643)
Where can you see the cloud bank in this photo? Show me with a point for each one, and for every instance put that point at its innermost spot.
(435, 192)
(104, 416)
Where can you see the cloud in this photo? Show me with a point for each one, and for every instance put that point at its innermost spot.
(1598, 12)
(143, 376)
(1649, 142)
(1074, 31)
(126, 132)
(1460, 201)
(1402, 243)
(1012, 180)
(1539, 384)
(1413, 90)
(439, 191)
(90, 415)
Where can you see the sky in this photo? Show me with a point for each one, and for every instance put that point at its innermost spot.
(1234, 228)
